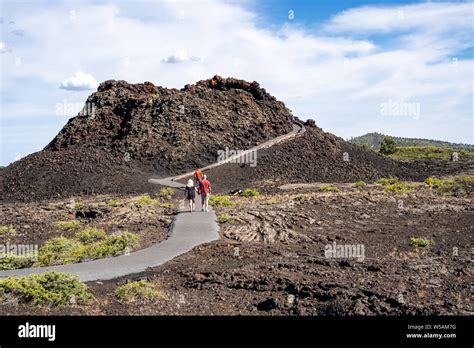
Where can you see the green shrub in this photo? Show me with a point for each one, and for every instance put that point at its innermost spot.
(50, 288)
(421, 242)
(438, 183)
(459, 183)
(251, 193)
(329, 188)
(94, 244)
(15, 262)
(59, 251)
(166, 192)
(387, 181)
(114, 202)
(365, 146)
(79, 205)
(464, 178)
(90, 235)
(218, 201)
(147, 200)
(360, 184)
(68, 225)
(388, 146)
(141, 289)
(8, 230)
(112, 246)
(400, 187)
(223, 218)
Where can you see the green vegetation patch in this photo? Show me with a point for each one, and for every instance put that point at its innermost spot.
(223, 218)
(69, 225)
(392, 184)
(387, 181)
(414, 152)
(400, 187)
(90, 235)
(360, 184)
(421, 242)
(460, 183)
(147, 200)
(271, 200)
(375, 139)
(218, 201)
(79, 205)
(114, 202)
(329, 188)
(7, 230)
(50, 288)
(15, 262)
(388, 146)
(142, 289)
(436, 183)
(250, 192)
(166, 192)
(88, 244)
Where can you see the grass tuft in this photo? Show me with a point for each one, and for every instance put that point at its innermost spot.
(69, 225)
(143, 290)
(115, 202)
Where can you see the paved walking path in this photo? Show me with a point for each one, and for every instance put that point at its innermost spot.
(187, 231)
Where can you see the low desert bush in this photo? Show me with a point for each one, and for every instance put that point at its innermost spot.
(223, 218)
(421, 242)
(250, 193)
(218, 201)
(329, 188)
(50, 288)
(360, 184)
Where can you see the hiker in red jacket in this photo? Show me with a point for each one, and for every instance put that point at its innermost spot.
(205, 189)
(198, 175)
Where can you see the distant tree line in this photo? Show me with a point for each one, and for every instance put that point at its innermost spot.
(374, 141)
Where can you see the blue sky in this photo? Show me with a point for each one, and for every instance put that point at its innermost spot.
(342, 63)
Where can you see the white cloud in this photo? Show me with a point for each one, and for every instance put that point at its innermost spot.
(79, 82)
(180, 57)
(4, 48)
(430, 16)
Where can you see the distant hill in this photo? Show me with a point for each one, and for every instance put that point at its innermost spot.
(374, 140)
